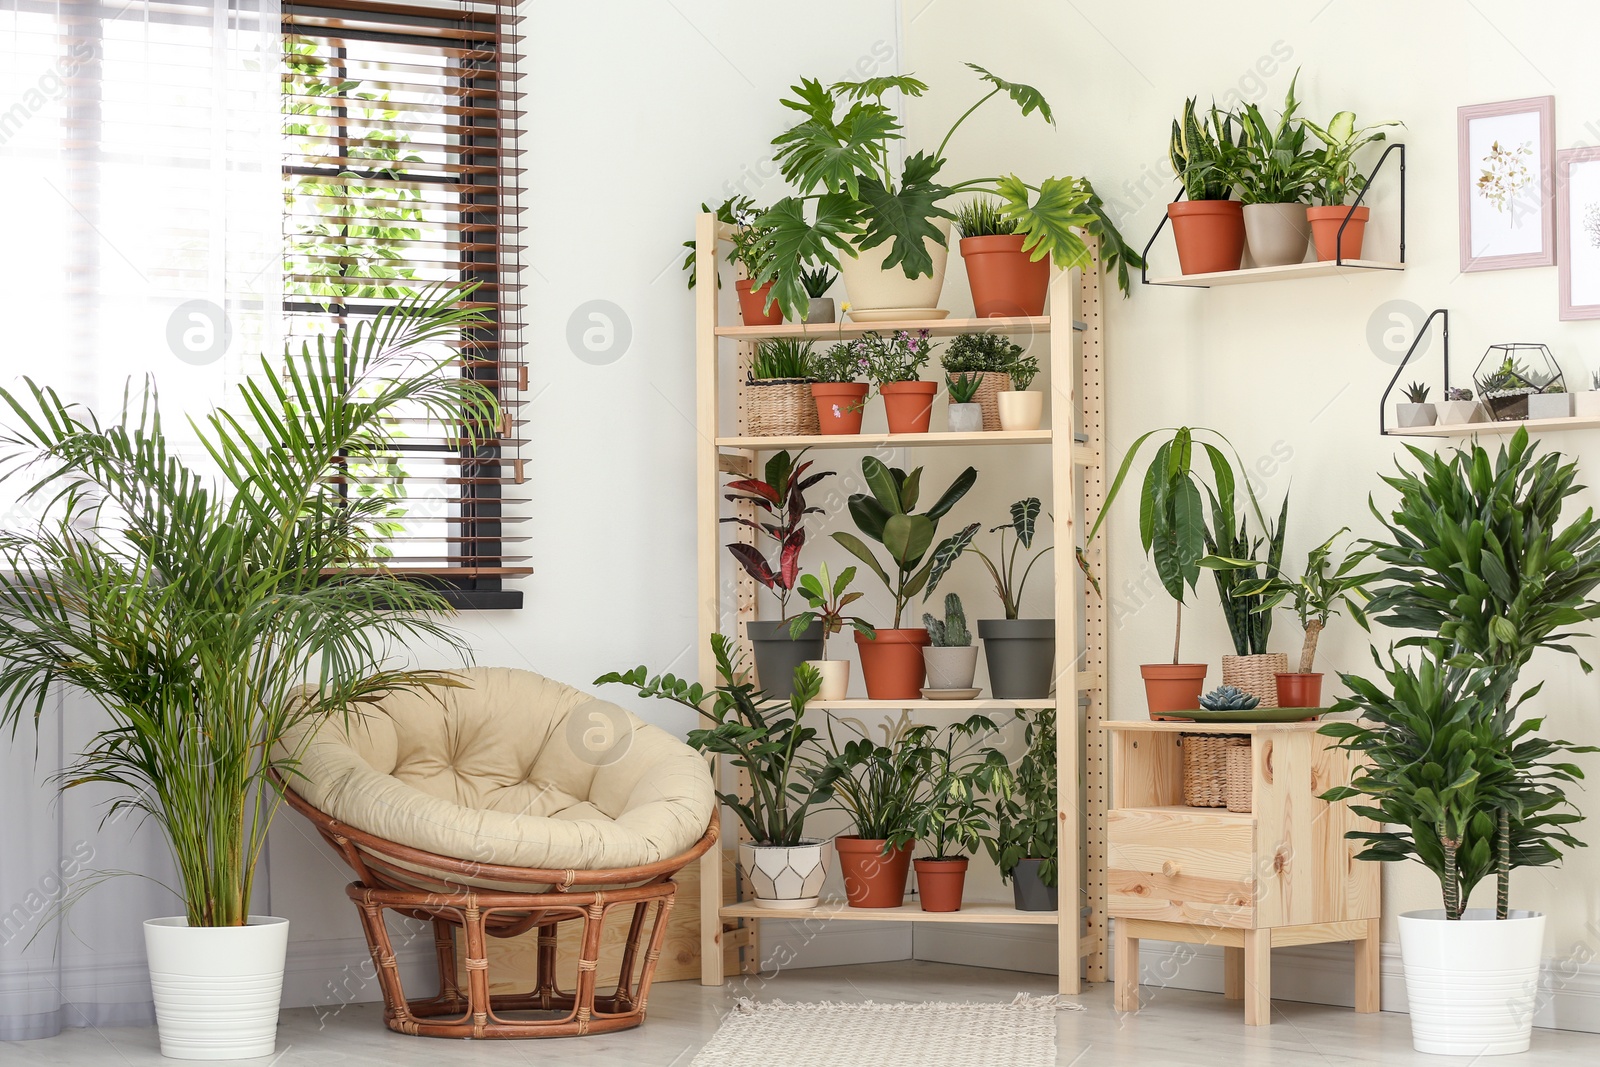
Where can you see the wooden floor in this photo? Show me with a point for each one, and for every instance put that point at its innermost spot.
(1175, 1027)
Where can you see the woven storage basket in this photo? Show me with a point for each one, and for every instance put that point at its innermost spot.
(989, 395)
(780, 408)
(1205, 768)
(1239, 783)
(1256, 675)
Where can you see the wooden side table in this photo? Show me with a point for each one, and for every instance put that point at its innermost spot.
(1281, 874)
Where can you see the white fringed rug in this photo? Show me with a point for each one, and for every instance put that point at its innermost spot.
(774, 1034)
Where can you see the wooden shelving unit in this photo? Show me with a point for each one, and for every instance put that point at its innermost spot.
(1075, 441)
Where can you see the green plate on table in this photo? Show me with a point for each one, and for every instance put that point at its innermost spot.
(1249, 714)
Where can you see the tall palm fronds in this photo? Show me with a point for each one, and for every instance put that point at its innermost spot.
(209, 613)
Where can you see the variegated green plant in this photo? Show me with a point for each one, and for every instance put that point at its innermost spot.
(1204, 152)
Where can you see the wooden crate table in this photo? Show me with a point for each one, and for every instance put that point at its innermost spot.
(1281, 874)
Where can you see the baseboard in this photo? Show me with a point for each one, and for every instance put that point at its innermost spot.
(332, 972)
(1569, 993)
(787, 943)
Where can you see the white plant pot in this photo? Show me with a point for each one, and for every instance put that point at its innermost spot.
(1020, 410)
(835, 678)
(950, 667)
(216, 988)
(1460, 412)
(1471, 984)
(1586, 405)
(1278, 234)
(869, 287)
(785, 877)
(1407, 415)
(966, 418)
(1550, 406)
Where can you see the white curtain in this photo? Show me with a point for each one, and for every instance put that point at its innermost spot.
(140, 179)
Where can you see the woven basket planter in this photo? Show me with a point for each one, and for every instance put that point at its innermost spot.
(1238, 788)
(1256, 675)
(1205, 768)
(989, 395)
(781, 407)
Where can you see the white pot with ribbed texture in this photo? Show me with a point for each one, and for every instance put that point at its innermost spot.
(217, 988)
(1471, 984)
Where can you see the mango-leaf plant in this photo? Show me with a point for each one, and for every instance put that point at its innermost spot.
(886, 515)
(841, 157)
(781, 498)
(767, 739)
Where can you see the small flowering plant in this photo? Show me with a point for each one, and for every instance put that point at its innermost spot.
(899, 357)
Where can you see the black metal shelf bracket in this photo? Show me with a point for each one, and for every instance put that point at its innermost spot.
(1443, 315)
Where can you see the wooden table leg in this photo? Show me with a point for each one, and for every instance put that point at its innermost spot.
(1233, 973)
(1126, 986)
(1257, 954)
(1368, 951)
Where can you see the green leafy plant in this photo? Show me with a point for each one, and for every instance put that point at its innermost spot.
(951, 631)
(826, 599)
(1274, 165)
(1024, 805)
(1228, 698)
(876, 785)
(1337, 179)
(780, 497)
(1450, 777)
(975, 352)
(981, 217)
(817, 281)
(1003, 567)
(193, 608)
(1512, 376)
(900, 357)
(767, 739)
(951, 816)
(841, 158)
(1231, 555)
(1416, 393)
(747, 236)
(1204, 152)
(886, 515)
(1316, 596)
(1023, 370)
(963, 389)
(840, 363)
(781, 359)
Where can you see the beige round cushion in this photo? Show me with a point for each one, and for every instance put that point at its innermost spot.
(515, 770)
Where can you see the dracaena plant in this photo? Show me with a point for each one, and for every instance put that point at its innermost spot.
(952, 816)
(1274, 164)
(886, 515)
(767, 739)
(841, 159)
(1238, 564)
(1317, 595)
(1337, 179)
(781, 498)
(1024, 805)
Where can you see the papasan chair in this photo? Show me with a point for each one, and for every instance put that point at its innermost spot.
(513, 803)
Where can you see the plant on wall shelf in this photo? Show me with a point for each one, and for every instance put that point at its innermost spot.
(781, 497)
(1337, 179)
(1204, 152)
(1417, 393)
(1273, 163)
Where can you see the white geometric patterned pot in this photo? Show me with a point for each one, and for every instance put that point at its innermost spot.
(1471, 984)
(216, 988)
(785, 876)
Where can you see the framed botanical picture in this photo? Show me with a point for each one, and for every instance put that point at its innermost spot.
(1578, 231)
(1506, 153)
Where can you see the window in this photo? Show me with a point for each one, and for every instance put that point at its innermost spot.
(401, 126)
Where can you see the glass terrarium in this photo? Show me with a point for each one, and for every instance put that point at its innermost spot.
(1509, 374)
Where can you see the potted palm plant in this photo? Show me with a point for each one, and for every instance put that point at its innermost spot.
(1024, 841)
(877, 785)
(986, 357)
(952, 817)
(194, 608)
(1274, 174)
(780, 499)
(1005, 279)
(1337, 180)
(826, 600)
(1207, 226)
(891, 659)
(770, 741)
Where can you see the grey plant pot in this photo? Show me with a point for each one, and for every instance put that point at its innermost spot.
(950, 667)
(966, 418)
(1021, 654)
(1550, 406)
(777, 654)
(1408, 415)
(821, 311)
(1028, 893)
(1278, 234)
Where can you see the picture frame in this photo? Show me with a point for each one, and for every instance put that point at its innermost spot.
(1578, 231)
(1506, 163)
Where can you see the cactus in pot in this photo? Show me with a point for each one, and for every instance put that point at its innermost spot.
(951, 657)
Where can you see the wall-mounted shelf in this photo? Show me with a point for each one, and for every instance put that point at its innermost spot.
(1472, 429)
(1251, 275)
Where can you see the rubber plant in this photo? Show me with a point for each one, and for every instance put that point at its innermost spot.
(1477, 555)
(841, 159)
(780, 496)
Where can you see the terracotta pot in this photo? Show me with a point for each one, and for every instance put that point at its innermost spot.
(1020, 409)
(891, 663)
(872, 879)
(1004, 281)
(909, 405)
(1297, 690)
(752, 305)
(1172, 687)
(870, 287)
(835, 678)
(1209, 234)
(940, 882)
(1325, 223)
(839, 405)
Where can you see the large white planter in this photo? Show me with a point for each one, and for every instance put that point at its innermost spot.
(785, 876)
(869, 287)
(1471, 984)
(216, 988)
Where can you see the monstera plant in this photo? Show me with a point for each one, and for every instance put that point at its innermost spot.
(840, 157)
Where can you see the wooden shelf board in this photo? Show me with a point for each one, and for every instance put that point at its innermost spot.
(830, 331)
(1082, 455)
(980, 704)
(838, 909)
(1187, 810)
(1251, 275)
(1468, 429)
(1150, 726)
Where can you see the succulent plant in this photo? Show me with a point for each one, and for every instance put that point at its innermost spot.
(1417, 393)
(1595, 380)
(1228, 698)
(952, 632)
(963, 387)
(1466, 394)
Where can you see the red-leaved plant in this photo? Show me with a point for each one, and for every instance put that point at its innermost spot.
(781, 497)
